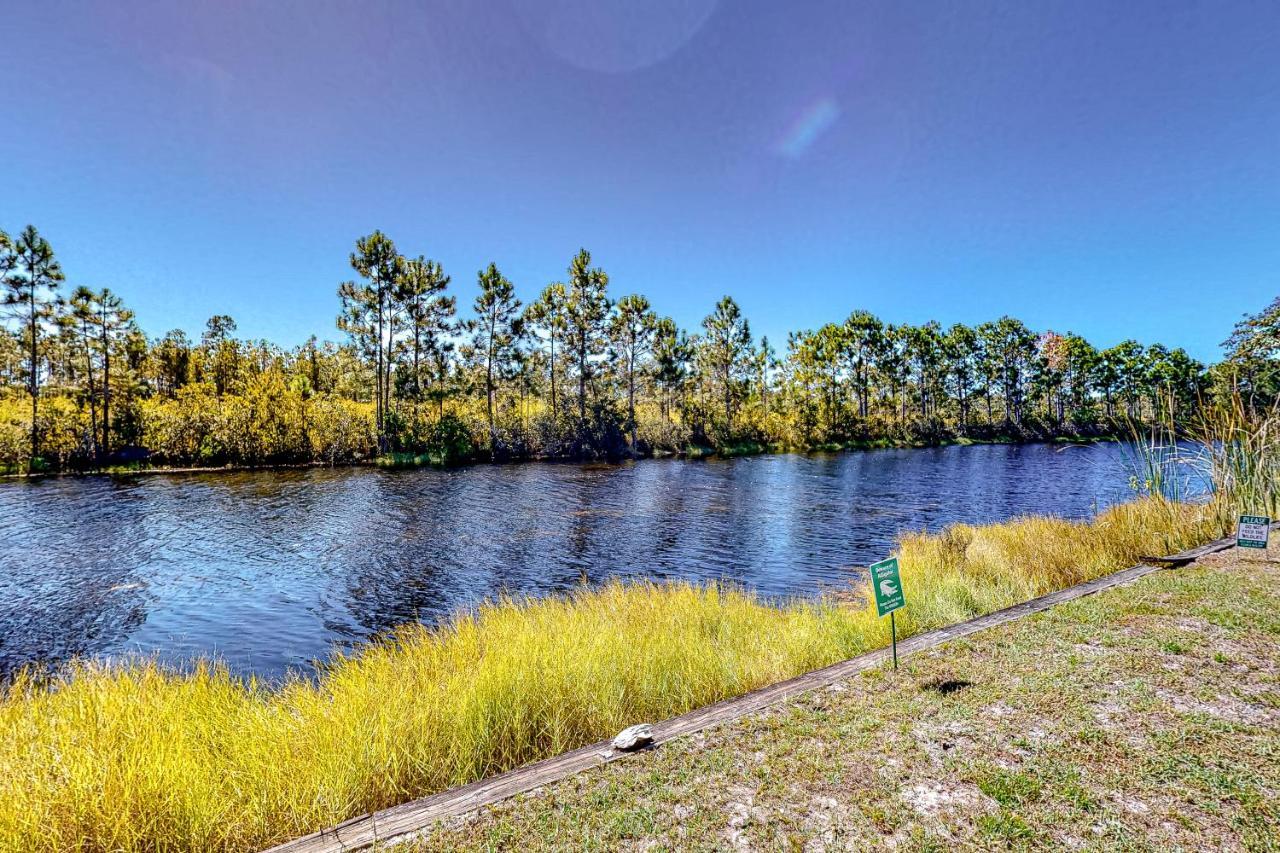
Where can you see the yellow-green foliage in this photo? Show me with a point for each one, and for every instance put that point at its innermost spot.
(340, 430)
(136, 758)
(181, 429)
(15, 431)
(965, 571)
(133, 757)
(63, 429)
(267, 422)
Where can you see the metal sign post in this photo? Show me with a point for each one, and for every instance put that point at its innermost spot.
(886, 585)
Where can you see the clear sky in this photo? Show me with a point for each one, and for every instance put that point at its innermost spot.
(1109, 169)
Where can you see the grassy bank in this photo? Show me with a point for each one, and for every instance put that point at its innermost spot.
(1144, 718)
(133, 757)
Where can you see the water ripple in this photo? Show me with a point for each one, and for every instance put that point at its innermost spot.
(271, 570)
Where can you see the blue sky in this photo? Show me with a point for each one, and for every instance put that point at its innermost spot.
(1109, 169)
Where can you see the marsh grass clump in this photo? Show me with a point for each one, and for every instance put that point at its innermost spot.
(1231, 454)
(1242, 453)
(968, 570)
(135, 757)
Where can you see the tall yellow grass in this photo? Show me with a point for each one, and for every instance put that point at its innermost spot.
(965, 571)
(133, 757)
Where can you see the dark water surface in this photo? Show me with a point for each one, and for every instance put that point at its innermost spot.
(270, 570)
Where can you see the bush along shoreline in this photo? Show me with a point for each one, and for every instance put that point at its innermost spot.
(461, 452)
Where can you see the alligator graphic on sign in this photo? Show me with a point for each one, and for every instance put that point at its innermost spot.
(887, 586)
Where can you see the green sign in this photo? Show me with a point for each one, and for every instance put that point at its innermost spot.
(1253, 531)
(887, 585)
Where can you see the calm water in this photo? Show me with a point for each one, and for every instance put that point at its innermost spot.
(271, 570)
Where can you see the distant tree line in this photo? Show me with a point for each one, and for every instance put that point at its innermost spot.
(572, 373)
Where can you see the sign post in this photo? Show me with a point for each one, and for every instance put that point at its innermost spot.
(1253, 531)
(886, 585)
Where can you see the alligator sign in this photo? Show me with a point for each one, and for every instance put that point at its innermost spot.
(887, 585)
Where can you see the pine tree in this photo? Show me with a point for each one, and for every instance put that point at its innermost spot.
(34, 276)
(369, 314)
(631, 331)
(586, 312)
(428, 311)
(727, 349)
(495, 330)
(672, 352)
(548, 318)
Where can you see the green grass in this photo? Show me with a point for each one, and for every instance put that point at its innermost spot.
(410, 460)
(745, 448)
(698, 451)
(1079, 729)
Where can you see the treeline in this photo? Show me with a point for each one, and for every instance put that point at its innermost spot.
(571, 373)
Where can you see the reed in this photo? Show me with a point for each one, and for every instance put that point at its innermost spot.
(1231, 453)
(1242, 455)
(966, 570)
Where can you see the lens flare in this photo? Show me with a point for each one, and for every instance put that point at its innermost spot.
(807, 127)
(613, 36)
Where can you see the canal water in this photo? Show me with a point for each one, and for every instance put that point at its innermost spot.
(273, 570)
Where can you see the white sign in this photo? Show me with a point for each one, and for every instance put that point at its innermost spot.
(1253, 531)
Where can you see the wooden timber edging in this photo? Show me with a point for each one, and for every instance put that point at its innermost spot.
(417, 815)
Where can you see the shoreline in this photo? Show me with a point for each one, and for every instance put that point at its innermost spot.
(419, 816)
(443, 700)
(691, 454)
